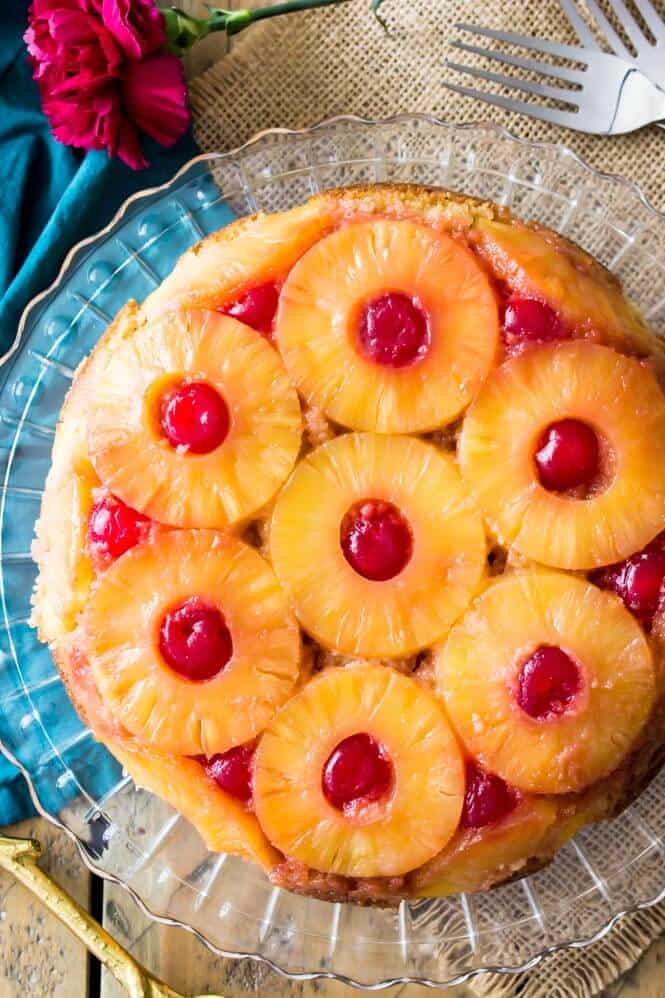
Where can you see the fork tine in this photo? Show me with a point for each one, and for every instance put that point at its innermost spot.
(533, 65)
(578, 24)
(628, 22)
(556, 117)
(606, 29)
(652, 18)
(574, 52)
(541, 89)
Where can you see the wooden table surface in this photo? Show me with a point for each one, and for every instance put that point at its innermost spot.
(41, 959)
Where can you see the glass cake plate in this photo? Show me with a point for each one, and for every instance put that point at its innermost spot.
(130, 836)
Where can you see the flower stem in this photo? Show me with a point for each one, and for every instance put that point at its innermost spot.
(183, 30)
(240, 19)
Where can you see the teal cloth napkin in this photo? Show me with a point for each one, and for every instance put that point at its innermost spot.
(50, 197)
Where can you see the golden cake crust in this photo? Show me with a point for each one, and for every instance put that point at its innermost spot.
(211, 273)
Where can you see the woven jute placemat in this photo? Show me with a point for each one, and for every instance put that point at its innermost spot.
(294, 71)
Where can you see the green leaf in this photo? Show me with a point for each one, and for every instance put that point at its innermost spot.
(182, 30)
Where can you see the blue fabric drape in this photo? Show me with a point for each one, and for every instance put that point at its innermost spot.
(51, 197)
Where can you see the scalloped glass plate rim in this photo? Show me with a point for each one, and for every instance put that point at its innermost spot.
(72, 259)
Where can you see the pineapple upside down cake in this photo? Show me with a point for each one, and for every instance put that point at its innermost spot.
(353, 543)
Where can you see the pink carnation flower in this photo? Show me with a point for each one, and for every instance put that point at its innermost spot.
(155, 97)
(96, 121)
(137, 26)
(70, 49)
(101, 77)
(82, 124)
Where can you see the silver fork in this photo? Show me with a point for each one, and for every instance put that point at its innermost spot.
(649, 57)
(610, 96)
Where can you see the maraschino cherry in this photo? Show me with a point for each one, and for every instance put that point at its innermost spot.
(639, 581)
(376, 539)
(256, 307)
(114, 527)
(358, 771)
(548, 683)
(393, 330)
(194, 416)
(232, 771)
(527, 320)
(488, 798)
(567, 455)
(194, 639)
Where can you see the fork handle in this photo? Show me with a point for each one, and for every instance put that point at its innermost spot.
(19, 857)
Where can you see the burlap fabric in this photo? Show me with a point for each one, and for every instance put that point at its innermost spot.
(297, 70)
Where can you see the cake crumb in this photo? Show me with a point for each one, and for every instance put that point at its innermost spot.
(318, 428)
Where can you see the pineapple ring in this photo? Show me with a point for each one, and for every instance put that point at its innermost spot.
(614, 394)
(545, 265)
(319, 312)
(138, 464)
(121, 637)
(249, 252)
(477, 675)
(335, 603)
(477, 858)
(223, 823)
(389, 837)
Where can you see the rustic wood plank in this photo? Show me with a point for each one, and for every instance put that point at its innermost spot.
(38, 956)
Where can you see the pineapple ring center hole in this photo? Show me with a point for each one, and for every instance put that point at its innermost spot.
(194, 640)
(487, 799)
(357, 772)
(376, 539)
(571, 458)
(393, 329)
(548, 683)
(193, 416)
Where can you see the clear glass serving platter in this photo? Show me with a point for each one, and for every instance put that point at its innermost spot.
(130, 836)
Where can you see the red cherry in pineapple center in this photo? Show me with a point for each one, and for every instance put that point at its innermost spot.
(114, 528)
(548, 683)
(194, 415)
(393, 330)
(194, 639)
(376, 539)
(256, 307)
(488, 798)
(567, 455)
(527, 320)
(358, 771)
(232, 771)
